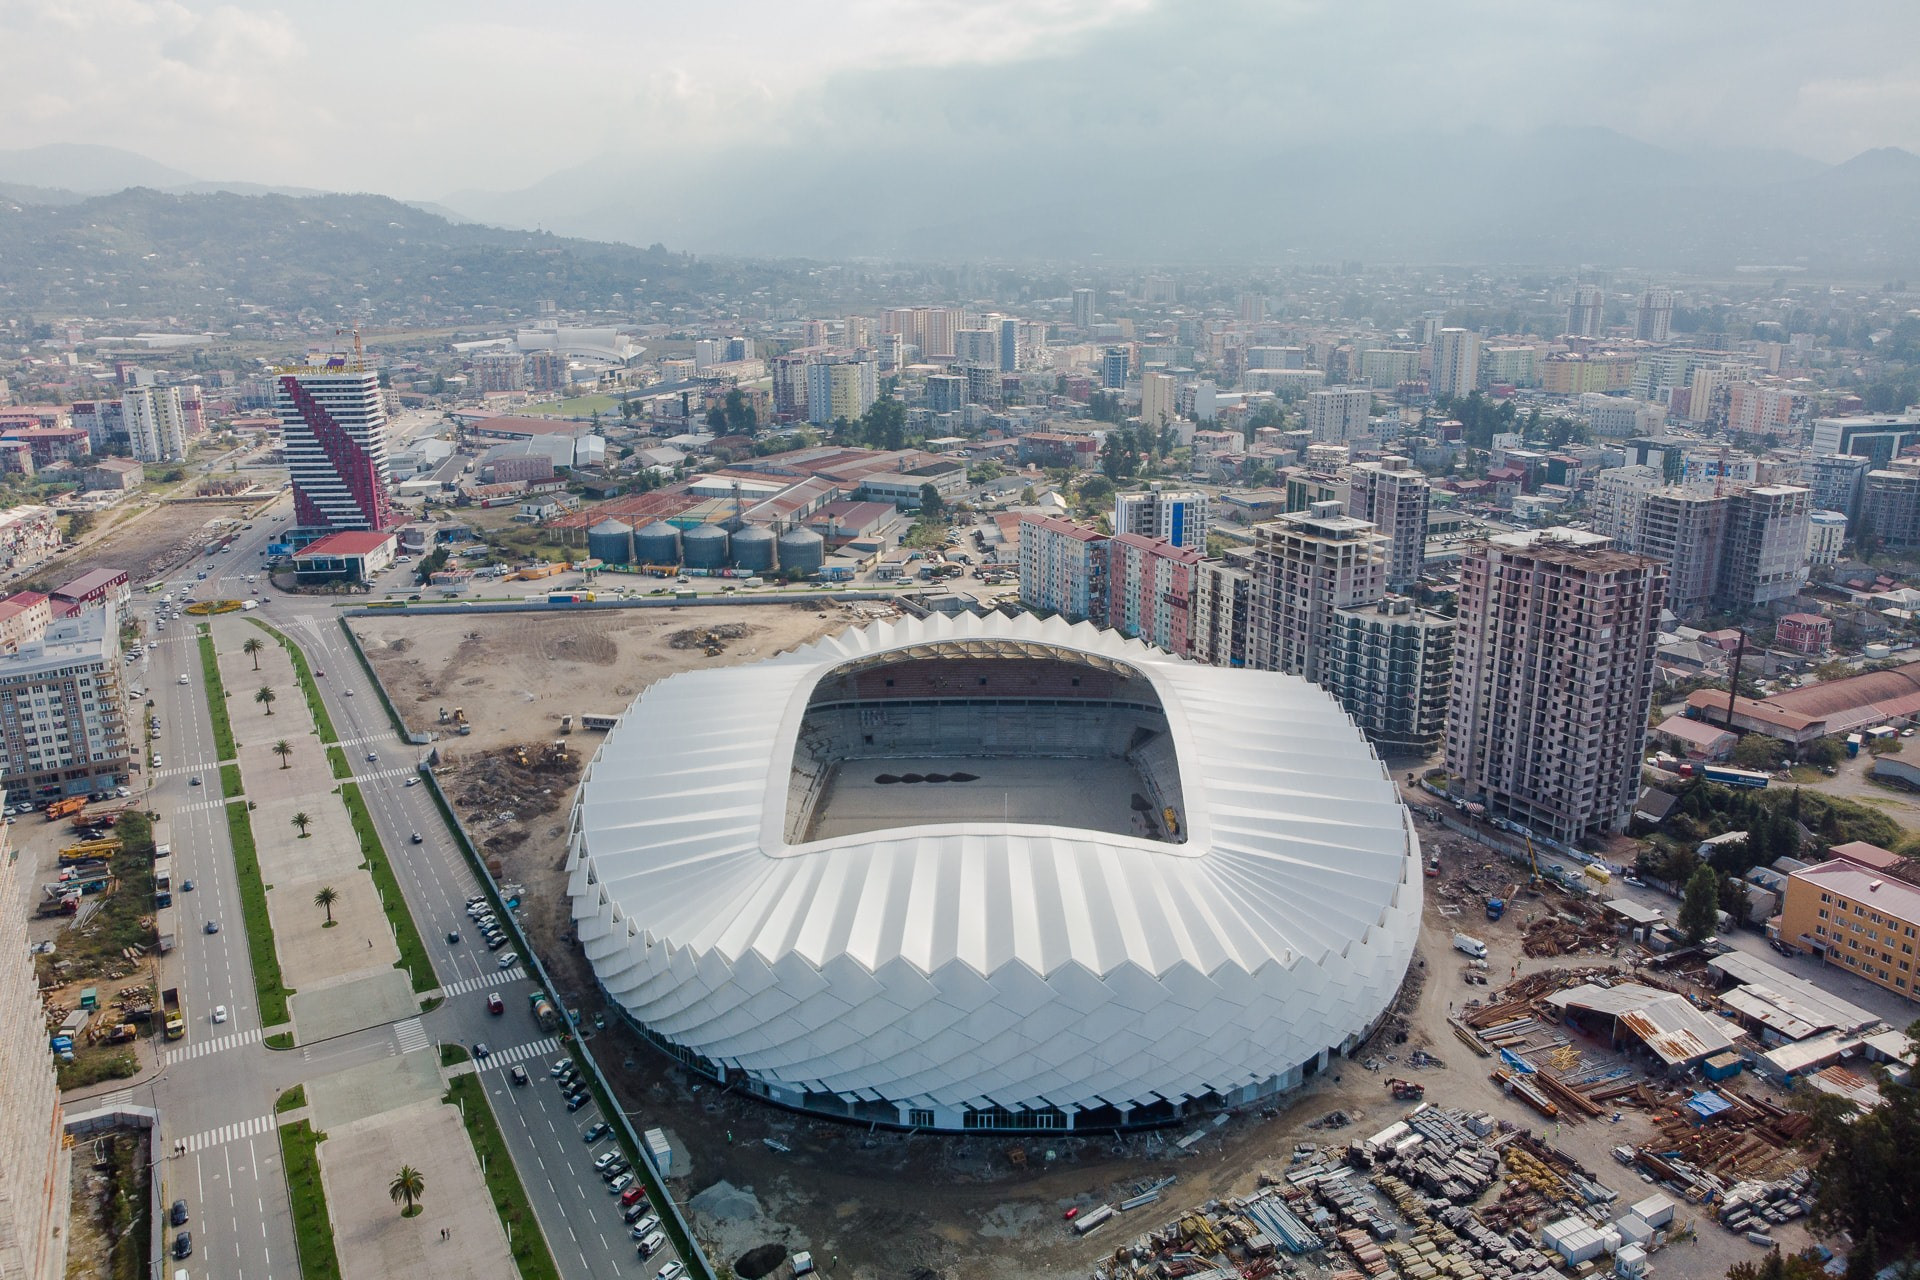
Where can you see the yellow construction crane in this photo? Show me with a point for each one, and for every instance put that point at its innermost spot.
(1533, 863)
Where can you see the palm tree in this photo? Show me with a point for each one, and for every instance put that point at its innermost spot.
(409, 1186)
(284, 750)
(326, 898)
(252, 649)
(265, 697)
(302, 821)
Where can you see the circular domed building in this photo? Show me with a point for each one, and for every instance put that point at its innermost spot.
(994, 874)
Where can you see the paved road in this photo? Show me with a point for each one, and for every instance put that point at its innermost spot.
(217, 1092)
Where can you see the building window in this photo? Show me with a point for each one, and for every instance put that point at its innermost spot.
(920, 1117)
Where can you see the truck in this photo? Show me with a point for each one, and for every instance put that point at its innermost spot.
(65, 808)
(62, 903)
(1727, 776)
(175, 1011)
(569, 597)
(1470, 946)
(543, 1011)
(1598, 874)
(1496, 907)
(62, 1047)
(88, 850)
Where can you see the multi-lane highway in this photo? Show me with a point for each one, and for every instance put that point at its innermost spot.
(218, 1089)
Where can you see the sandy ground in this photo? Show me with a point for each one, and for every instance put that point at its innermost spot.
(359, 1160)
(147, 541)
(515, 676)
(885, 1204)
(312, 956)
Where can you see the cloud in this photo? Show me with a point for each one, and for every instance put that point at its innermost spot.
(432, 95)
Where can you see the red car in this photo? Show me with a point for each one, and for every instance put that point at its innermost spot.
(494, 1004)
(632, 1195)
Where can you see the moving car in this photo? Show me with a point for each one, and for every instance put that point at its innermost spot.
(186, 886)
(183, 678)
(518, 1074)
(453, 935)
(183, 1245)
(480, 1050)
(510, 959)
(177, 1215)
(213, 926)
(194, 781)
(219, 1013)
(413, 782)
(415, 837)
(495, 1005)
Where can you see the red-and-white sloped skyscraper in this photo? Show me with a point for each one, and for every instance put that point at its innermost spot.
(333, 423)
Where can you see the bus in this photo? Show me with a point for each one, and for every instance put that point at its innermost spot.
(1727, 776)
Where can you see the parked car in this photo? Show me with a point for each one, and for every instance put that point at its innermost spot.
(577, 1101)
(616, 1169)
(510, 959)
(177, 1215)
(596, 1131)
(183, 1245)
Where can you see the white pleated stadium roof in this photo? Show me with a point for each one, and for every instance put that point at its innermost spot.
(972, 964)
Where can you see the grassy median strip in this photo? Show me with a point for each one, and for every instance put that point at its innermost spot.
(312, 1228)
(337, 761)
(230, 784)
(413, 950)
(292, 1100)
(216, 697)
(530, 1252)
(253, 905)
(321, 720)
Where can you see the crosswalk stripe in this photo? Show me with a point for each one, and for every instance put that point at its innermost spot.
(186, 1053)
(384, 775)
(411, 1034)
(504, 1058)
(228, 1133)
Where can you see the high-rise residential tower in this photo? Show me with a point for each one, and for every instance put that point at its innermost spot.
(1456, 362)
(156, 423)
(1305, 566)
(1654, 321)
(1392, 494)
(1179, 516)
(1586, 314)
(334, 422)
(1552, 679)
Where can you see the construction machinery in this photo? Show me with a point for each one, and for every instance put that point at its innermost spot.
(104, 847)
(1407, 1090)
(175, 1011)
(65, 808)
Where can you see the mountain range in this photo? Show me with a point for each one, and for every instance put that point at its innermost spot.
(1560, 196)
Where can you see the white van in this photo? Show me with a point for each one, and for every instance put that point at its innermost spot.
(1470, 946)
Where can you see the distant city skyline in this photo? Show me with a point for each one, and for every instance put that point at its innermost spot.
(427, 100)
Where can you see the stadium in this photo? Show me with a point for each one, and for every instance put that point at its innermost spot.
(994, 874)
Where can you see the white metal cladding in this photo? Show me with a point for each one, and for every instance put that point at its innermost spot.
(975, 964)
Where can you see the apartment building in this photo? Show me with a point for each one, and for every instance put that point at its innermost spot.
(1836, 481)
(1685, 528)
(1619, 494)
(63, 723)
(1150, 591)
(1654, 321)
(1553, 677)
(1392, 495)
(1222, 601)
(1390, 663)
(1179, 516)
(24, 618)
(1305, 566)
(156, 423)
(1156, 400)
(1456, 362)
(333, 421)
(841, 388)
(1063, 568)
(1826, 536)
(1765, 556)
(1890, 506)
(1337, 414)
(1586, 312)
(1855, 917)
(35, 1194)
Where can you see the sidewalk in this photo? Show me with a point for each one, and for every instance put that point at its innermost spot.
(313, 958)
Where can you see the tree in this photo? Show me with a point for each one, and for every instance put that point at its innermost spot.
(301, 822)
(932, 505)
(266, 698)
(884, 424)
(252, 649)
(1028, 497)
(326, 898)
(284, 750)
(408, 1186)
(1095, 491)
(741, 417)
(1700, 904)
(1758, 751)
(717, 420)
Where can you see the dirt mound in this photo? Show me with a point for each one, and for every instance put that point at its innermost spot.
(515, 783)
(715, 637)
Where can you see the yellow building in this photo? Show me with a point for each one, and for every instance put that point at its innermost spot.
(1856, 916)
(1571, 375)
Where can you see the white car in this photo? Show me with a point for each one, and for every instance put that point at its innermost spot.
(219, 1013)
(183, 678)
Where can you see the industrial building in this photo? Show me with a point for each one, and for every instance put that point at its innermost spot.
(990, 874)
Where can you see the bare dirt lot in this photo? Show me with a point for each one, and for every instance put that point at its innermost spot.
(147, 542)
(882, 1204)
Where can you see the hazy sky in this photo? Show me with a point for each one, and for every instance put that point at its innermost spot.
(419, 98)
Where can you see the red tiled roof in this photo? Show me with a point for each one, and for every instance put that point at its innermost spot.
(348, 542)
